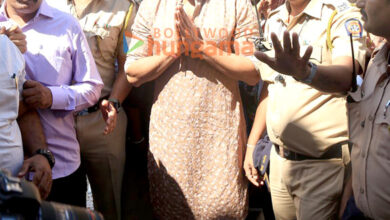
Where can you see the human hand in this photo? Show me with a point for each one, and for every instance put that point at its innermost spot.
(37, 95)
(188, 33)
(287, 58)
(42, 176)
(266, 6)
(16, 35)
(251, 172)
(109, 115)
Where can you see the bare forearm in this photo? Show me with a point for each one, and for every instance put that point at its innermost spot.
(122, 87)
(259, 124)
(332, 79)
(148, 69)
(32, 132)
(232, 65)
(335, 78)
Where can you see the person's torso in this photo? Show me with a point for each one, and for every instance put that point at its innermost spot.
(11, 84)
(50, 58)
(369, 124)
(300, 117)
(102, 22)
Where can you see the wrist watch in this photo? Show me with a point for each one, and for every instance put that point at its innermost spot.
(48, 155)
(310, 77)
(116, 103)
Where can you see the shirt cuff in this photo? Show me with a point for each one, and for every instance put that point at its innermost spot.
(61, 100)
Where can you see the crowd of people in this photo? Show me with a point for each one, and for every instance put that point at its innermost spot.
(71, 70)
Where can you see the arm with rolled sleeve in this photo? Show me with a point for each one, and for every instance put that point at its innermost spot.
(87, 84)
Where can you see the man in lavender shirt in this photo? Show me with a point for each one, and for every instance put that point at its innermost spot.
(62, 78)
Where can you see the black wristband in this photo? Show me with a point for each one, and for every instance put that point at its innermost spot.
(116, 103)
(48, 155)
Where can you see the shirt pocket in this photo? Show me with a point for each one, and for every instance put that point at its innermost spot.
(106, 41)
(9, 101)
(381, 133)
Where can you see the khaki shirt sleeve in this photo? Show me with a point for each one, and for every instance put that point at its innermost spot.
(341, 39)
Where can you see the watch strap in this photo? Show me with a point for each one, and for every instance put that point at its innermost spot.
(48, 155)
(313, 72)
(116, 103)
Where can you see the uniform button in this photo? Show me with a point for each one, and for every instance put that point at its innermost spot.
(371, 118)
(362, 94)
(361, 190)
(362, 123)
(363, 155)
(381, 84)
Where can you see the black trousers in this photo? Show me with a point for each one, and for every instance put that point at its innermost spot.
(70, 190)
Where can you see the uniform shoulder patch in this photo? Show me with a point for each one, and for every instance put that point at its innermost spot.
(354, 27)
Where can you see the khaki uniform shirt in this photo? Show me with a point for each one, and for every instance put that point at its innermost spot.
(369, 123)
(102, 22)
(300, 117)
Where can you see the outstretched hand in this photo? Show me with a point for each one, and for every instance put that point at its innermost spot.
(287, 58)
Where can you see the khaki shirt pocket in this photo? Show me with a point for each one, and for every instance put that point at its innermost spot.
(381, 133)
(105, 43)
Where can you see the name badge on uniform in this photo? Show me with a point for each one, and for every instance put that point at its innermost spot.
(354, 27)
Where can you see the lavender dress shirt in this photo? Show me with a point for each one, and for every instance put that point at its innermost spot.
(58, 56)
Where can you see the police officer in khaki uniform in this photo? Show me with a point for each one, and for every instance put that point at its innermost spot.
(102, 131)
(369, 115)
(306, 121)
(369, 120)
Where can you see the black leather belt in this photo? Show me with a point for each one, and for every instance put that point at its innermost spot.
(335, 151)
(93, 108)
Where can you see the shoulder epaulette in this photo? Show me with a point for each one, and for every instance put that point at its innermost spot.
(339, 5)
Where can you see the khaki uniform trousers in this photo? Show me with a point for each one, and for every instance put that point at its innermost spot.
(103, 157)
(308, 189)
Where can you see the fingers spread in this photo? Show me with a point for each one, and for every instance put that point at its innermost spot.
(265, 58)
(286, 42)
(295, 45)
(307, 54)
(276, 44)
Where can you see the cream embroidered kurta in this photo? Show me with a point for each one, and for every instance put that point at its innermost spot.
(197, 128)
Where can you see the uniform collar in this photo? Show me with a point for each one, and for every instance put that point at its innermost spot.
(313, 9)
(71, 1)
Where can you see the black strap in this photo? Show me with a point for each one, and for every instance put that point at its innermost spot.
(334, 151)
